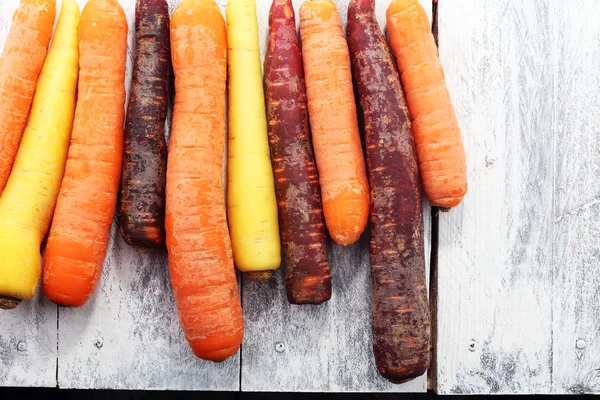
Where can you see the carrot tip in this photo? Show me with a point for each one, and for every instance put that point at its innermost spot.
(400, 381)
(9, 303)
(260, 275)
(142, 250)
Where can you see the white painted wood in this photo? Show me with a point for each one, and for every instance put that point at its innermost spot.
(28, 344)
(27, 333)
(495, 249)
(128, 336)
(324, 348)
(576, 289)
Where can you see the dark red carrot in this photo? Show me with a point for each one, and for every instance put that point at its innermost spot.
(401, 321)
(142, 207)
(296, 180)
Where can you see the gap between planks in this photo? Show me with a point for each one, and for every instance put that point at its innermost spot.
(433, 256)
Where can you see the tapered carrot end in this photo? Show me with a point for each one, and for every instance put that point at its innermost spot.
(260, 275)
(315, 295)
(445, 197)
(142, 250)
(9, 303)
(403, 375)
(347, 215)
(218, 355)
(65, 300)
(66, 290)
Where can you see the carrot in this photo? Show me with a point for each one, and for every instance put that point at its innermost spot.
(296, 181)
(333, 122)
(88, 195)
(142, 206)
(28, 200)
(200, 255)
(401, 321)
(251, 202)
(440, 150)
(22, 59)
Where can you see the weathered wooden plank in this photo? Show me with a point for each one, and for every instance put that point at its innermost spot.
(323, 348)
(28, 344)
(576, 288)
(495, 250)
(28, 333)
(128, 336)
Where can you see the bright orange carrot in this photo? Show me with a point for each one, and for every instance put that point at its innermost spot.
(22, 59)
(200, 255)
(86, 203)
(333, 122)
(440, 150)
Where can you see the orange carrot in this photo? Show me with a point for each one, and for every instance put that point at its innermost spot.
(200, 255)
(332, 113)
(20, 65)
(86, 203)
(437, 136)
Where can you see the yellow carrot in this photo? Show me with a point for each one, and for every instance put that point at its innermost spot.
(251, 204)
(27, 203)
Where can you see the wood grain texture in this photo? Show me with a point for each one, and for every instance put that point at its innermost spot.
(576, 288)
(128, 335)
(28, 344)
(325, 348)
(495, 249)
(27, 333)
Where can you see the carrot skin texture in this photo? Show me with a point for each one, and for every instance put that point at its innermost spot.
(440, 150)
(28, 200)
(87, 200)
(401, 320)
(20, 66)
(142, 206)
(333, 121)
(200, 254)
(303, 231)
(251, 200)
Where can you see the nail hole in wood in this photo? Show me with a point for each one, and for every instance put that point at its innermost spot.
(279, 347)
(472, 345)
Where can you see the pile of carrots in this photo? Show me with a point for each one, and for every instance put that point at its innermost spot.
(296, 167)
